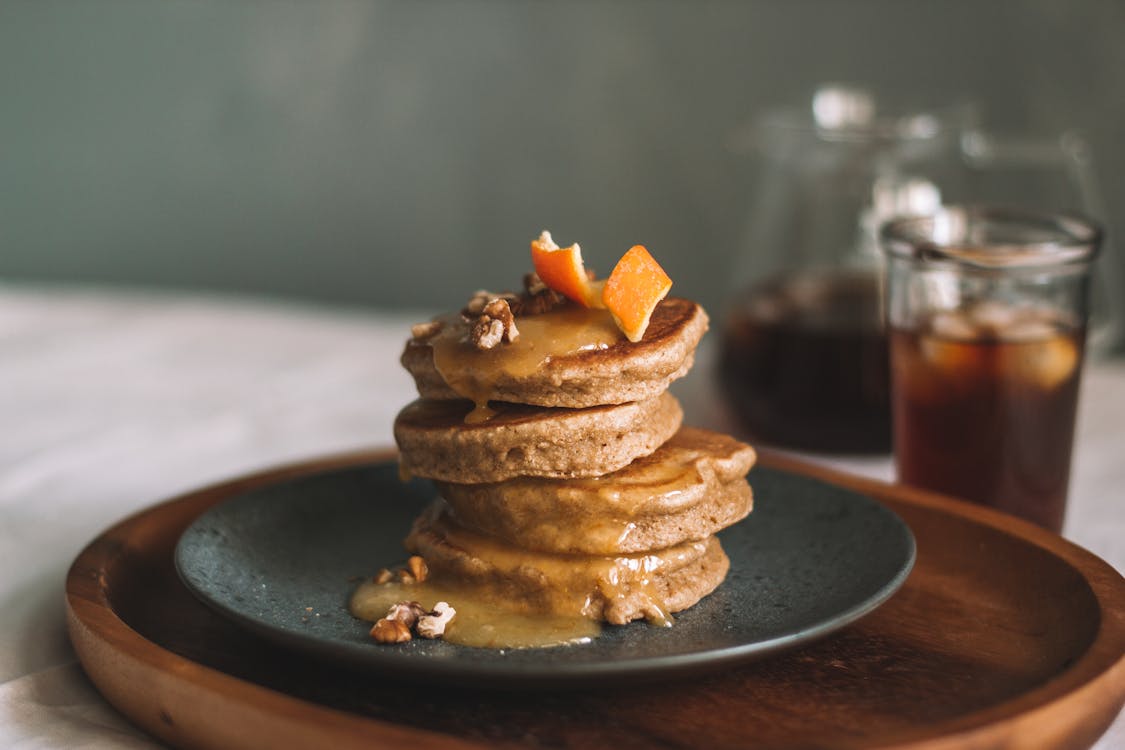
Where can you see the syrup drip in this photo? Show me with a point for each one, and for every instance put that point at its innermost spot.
(572, 577)
(473, 373)
(555, 615)
(601, 511)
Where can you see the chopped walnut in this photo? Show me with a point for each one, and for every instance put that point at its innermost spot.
(487, 333)
(390, 631)
(396, 626)
(406, 612)
(538, 298)
(492, 318)
(533, 285)
(402, 575)
(498, 309)
(496, 324)
(418, 568)
(477, 302)
(482, 297)
(407, 618)
(432, 625)
(425, 331)
(540, 303)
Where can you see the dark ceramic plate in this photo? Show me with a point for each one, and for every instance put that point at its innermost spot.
(282, 561)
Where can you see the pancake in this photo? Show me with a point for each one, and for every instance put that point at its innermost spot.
(603, 533)
(570, 357)
(612, 589)
(688, 489)
(435, 442)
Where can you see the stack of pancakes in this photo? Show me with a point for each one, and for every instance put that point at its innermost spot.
(581, 495)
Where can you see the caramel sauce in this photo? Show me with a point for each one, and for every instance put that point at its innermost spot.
(572, 578)
(491, 614)
(598, 509)
(473, 373)
(481, 620)
(650, 485)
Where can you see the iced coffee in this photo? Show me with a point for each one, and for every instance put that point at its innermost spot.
(984, 406)
(987, 317)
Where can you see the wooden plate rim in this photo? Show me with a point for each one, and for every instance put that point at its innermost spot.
(1094, 686)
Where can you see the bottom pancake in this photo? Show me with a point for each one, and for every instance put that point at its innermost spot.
(613, 589)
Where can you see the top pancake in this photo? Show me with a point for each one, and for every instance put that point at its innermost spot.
(611, 370)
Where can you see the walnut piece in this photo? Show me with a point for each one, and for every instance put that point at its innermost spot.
(487, 333)
(482, 297)
(425, 331)
(540, 303)
(499, 309)
(533, 285)
(432, 625)
(406, 618)
(406, 612)
(538, 298)
(396, 626)
(418, 568)
(495, 324)
(391, 631)
(402, 575)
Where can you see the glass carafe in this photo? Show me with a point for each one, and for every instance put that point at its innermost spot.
(804, 353)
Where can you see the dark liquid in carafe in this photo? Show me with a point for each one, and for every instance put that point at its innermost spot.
(804, 363)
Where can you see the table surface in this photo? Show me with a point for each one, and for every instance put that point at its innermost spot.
(114, 399)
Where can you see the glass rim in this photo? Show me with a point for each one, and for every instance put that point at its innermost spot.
(913, 127)
(883, 119)
(1053, 240)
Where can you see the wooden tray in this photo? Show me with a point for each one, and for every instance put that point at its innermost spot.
(1004, 636)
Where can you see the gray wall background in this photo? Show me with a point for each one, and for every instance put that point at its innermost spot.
(394, 153)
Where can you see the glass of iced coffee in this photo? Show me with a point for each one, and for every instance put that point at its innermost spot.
(987, 310)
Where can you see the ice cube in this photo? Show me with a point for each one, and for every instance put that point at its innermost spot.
(994, 315)
(1031, 329)
(950, 324)
(1045, 364)
(947, 358)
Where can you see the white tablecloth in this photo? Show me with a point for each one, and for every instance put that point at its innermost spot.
(113, 400)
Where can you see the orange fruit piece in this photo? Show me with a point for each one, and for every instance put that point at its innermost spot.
(633, 291)
(561, 269)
